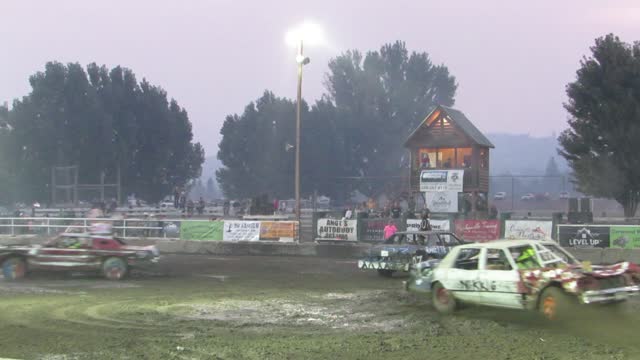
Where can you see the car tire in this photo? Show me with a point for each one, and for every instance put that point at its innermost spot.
(385, 273)
(114, 268)
(14, 268)
(442, 299)
(555, 304)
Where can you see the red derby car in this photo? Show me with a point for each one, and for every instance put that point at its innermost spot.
(105, 254)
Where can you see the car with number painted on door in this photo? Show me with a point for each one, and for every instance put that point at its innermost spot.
(104, 254)
(522, 274)
(403, 249)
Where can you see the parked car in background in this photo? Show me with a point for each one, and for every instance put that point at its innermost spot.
(527, 197)
(542, 196)
(522, 274)
(501, 195)
(563, 195)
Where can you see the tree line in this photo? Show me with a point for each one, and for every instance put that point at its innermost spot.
(351, 139)
(101, 120)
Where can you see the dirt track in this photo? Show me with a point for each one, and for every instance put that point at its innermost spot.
(206, 307)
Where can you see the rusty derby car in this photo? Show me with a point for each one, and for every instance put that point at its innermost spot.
(403, 249)
(104, 254)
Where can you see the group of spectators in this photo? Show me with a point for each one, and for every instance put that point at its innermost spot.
(425, 225)
(187, 206)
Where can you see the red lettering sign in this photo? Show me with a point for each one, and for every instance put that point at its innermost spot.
(478, 230)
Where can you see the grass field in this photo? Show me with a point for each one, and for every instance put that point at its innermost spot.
(279, 308)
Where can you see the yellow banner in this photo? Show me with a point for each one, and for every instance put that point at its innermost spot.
(276, 230)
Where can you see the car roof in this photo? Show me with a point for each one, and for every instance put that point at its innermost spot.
(508, 243)
(425, 232)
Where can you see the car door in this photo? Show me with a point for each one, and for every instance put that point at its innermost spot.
(62, 254)
(499, 279)
(463, 276)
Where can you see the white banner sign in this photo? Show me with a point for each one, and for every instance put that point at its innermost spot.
(414, 225)
(241, 231)
(527, 229)
(442, 202)
(335, 229)
(441, 180)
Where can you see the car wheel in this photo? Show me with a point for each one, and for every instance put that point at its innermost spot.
(14, 269)
(385, 273)
(554, 304)
(442, 299)
(114, 268)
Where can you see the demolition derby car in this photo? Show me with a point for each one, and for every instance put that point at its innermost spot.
(403, 249)
(521, 274)
(101, 253)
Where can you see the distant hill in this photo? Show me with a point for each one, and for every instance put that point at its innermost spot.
(523, 154)
(211, 164)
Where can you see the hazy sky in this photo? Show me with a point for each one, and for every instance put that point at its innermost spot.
(512, 59)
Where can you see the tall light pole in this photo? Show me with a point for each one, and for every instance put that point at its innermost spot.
(310, 33)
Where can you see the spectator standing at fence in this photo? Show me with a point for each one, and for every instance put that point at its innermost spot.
(183, 201)
(225, 208)
(493, 213)
(201, 206)
(348, 214)
(190, 206)
(425, 224)
(389, 230)
(176, 197)
(396, 210)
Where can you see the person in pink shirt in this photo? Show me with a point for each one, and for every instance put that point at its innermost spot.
(389, 230)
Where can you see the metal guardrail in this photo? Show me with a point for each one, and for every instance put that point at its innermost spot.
(125, 228)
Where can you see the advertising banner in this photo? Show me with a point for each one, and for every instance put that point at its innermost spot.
(625, 237)
(441, 180)
(528, 229)
(442, 201)
(336, 229)
(478, 230)
(201, 230)
(241, 231)
(278, 230)
(586, 236)
(414, 225)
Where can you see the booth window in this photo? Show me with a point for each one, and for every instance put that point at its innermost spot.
(427, 158)
(463, 158)
(447, 158)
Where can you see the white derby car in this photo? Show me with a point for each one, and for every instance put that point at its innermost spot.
(521, 274)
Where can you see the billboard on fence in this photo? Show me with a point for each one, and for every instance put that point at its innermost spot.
(478, 230)
(586, 236)
(441, 180)
(241, 231)
(335, 229)
(528, 229)
(414, 225)
(626, 237)
(201, 230)
(278, 230)
(373, 229)
(442, 201)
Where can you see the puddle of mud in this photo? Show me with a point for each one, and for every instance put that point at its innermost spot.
(331, 310)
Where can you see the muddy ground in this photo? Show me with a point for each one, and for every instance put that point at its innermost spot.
(203, 307)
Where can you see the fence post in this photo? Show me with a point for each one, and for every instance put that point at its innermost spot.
(12, 228)
(48, 226)
(124, 228)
